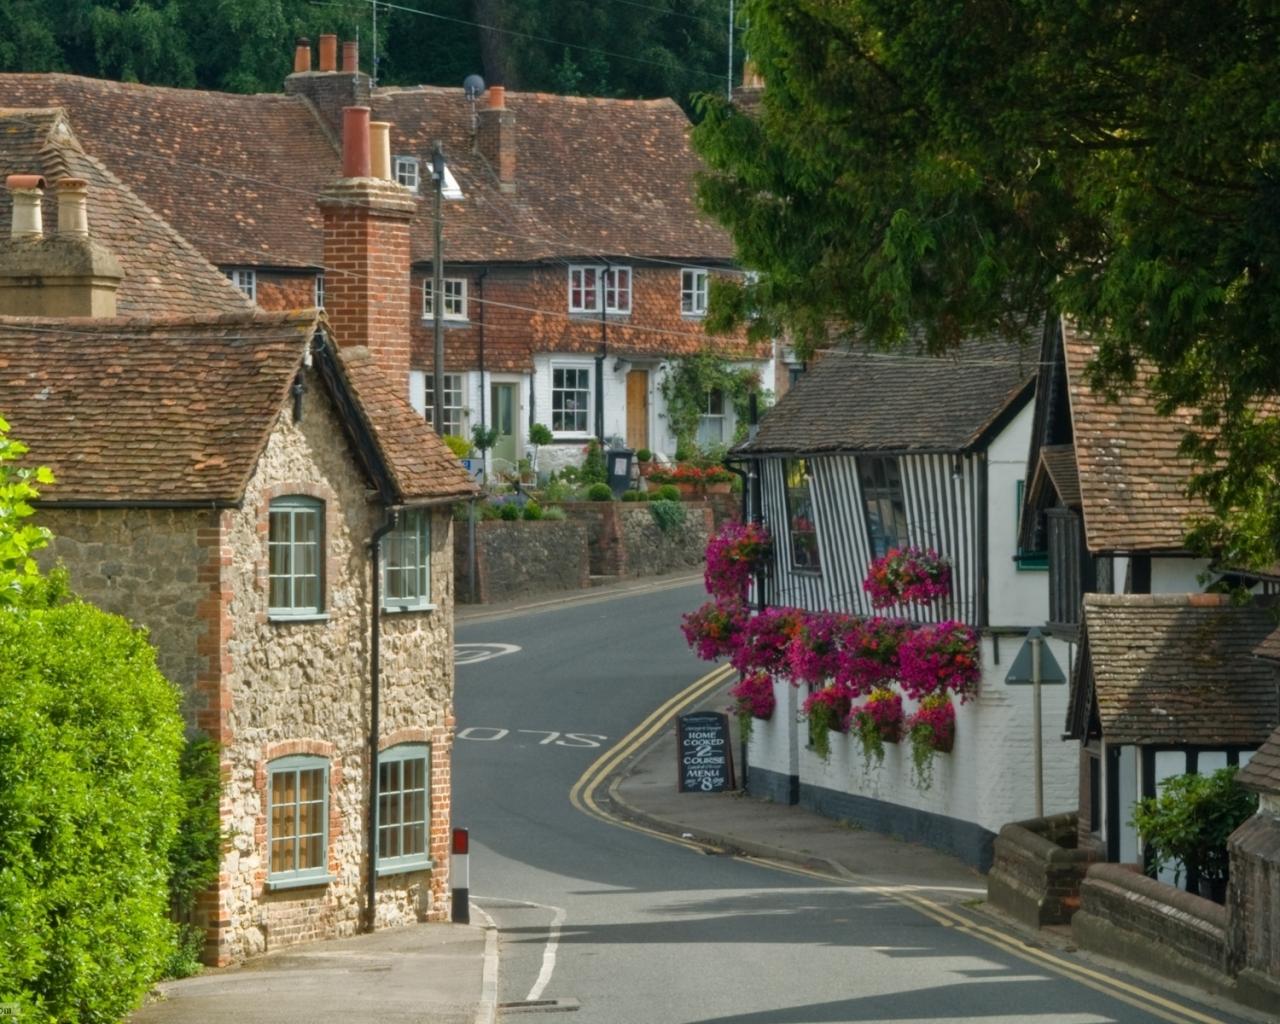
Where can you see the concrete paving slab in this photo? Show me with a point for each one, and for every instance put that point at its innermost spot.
(420, 973)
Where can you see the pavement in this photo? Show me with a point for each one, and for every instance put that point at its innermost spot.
(448, 974)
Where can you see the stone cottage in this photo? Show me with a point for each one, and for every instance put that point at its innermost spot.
(270, 507)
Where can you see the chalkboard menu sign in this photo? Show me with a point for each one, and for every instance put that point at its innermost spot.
(704, 752)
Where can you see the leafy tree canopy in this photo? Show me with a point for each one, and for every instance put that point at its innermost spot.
(960, 168)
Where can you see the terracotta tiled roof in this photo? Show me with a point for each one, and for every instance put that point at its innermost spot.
(132, 410)
(1132, 480)
(421, 465)
(1059, 463)
(236, 175)
(239, 175)
(593, 177)
(164, 274)
(1262, 773)
(1270, 647)
(1177, 668)
(867, 401)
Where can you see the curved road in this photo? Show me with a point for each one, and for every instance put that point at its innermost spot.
(618, 927)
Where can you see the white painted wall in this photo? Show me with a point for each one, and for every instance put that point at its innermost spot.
(1177, 575)
(1015, 597)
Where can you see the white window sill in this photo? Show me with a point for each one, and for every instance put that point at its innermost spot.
(276, 618)
(448, 321)
(694, 316)
(405, 869)
(400, 609)
(306, 882)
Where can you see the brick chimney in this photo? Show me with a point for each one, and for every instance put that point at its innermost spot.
(67, 274)
(329, 89)
(366, 254)
(496, 137)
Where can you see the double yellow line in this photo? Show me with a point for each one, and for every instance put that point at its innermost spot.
(583, 794)
(583, 797)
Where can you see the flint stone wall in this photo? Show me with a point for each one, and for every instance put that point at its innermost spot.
(523, 558)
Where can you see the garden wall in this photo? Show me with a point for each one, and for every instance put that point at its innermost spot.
(983, 784)
(1155, 926)
(624, 539)
(1253, 909)
(1038, 870)
(522, 559)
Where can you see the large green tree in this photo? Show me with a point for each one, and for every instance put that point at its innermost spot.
(962, 167)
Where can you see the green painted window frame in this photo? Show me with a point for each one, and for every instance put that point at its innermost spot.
(406, 563)
(284, 514)
(295, 877)
(392, 767)
(1026, 561)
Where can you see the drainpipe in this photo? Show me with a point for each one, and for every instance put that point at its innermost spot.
(984, 544)
(375, 675)
(483, 390)
(604, 351)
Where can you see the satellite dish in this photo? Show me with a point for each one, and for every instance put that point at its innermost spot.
(473, 86)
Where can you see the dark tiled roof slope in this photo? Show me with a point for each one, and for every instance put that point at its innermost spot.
(594, 177)
(236, 175)
(1179, 668)
(1270, 647)
(1060, 463)
(420, 463)
(1133, 482)
(164, 274)
(866, 401)
(133, 410)
(1262, 773)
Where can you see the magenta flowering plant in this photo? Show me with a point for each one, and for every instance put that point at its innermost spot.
(868, 655)
(907, 576)
(876, 722)
(763, 644)
(752, 698)
(734, 555)
(827, 711)
(940, 658)
(814, 653)
(932, 728)
(713, 630)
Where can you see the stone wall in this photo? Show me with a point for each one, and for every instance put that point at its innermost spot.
(648, 550)
(521, 559)
(1037, 871)
(1155, 926)
(1253, 910)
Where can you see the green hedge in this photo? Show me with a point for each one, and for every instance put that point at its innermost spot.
(90, 735)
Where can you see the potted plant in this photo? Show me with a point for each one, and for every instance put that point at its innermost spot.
(827, 711)
(539, 434)
(1188, 824)
(877, 722)
(933, 731)
(908, 576)
(752, 698)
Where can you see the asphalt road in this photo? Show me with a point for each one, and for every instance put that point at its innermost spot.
(634, 930)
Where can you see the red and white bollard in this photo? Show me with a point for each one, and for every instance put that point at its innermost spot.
(460, 873)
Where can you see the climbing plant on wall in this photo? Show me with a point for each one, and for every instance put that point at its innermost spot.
(690, 379)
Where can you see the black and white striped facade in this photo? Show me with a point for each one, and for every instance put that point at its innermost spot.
(944, 498)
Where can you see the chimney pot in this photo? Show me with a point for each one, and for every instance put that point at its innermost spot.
(497, 97)
(302, 55)
(328, 53)
(73, 212)
(355, 142)
(351, 57)
(27, 191)
(380, 149)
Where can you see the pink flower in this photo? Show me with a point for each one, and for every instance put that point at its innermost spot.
(753, 695)
(938, 658)
(907, 576)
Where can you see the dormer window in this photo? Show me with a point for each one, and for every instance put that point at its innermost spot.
(246, 281)
(406, 171)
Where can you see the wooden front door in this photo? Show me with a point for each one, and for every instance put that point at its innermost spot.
(638, 409)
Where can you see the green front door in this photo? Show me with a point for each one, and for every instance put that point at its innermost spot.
(504, 421)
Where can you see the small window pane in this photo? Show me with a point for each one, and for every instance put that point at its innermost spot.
(294, 555)
(802, 523)
(403, 805)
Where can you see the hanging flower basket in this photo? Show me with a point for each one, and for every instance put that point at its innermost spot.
(932, 729)
(752, 698)
(734, 556)
(827, 711)
(940, 658)
(908, 576)
(814, 652)
(714, 629)
(764, 641)
(868, 655)
(877, 722)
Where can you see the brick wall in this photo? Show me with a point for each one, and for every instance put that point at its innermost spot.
(1037, 870)
(279, 290)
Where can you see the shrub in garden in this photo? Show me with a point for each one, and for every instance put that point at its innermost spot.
(555, 513)
(460, 446)
(644, 455)
(593, 467)
(668, 515)
(1188, 824)
(195, 857)
(599, 492)
(509, 512)
(90, 736)
(532, 511)
(633, 496)
(667, 492)
(539, 434)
